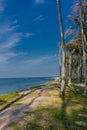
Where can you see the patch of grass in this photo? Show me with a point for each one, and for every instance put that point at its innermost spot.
(13, 124)
(36, 87)
(53, 92)
(49, 83)
(7, 98)
(77, 81)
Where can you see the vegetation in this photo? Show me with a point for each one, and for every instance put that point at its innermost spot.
(62, 113)
(62, 47)
(66, 110)
(74, 53)
(7, 98)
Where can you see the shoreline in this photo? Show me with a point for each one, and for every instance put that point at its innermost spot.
(43, 103)
(34, 86)
(17, 95)
(20, 104)
(20, 84)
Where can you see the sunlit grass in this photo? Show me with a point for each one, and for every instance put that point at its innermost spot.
(7, 98)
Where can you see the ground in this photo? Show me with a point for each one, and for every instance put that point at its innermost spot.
(43, 108)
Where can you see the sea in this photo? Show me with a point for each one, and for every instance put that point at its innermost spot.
(9, 85)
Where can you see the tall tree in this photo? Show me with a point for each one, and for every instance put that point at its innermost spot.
(83, 43)
(62, 46)
(59, 60)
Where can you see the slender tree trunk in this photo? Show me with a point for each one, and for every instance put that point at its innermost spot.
(85, 91)
(80, 76)
(62, 47)
(67, 74)
(80, 70)
(70, 66)
(83, 47)
(73, 68)
(59, 59)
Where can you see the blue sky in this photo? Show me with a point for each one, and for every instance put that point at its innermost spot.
(29, 33)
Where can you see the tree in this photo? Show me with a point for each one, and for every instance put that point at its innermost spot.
(83, 43)
(80, 19)
(59, 59)
(62, 47)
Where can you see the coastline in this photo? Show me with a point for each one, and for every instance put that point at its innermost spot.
(42, 106)
(17, 95)
(16, 103)
(18, 84)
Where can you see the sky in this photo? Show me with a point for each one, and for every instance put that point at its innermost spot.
(29, 36)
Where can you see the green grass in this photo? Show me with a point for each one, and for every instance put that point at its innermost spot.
(49, 117)
(7, 98)
(77, 81)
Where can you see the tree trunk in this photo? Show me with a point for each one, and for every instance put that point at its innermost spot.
(80, 74)
(85, 91)
(67, 73)
(62, 47)
(59, 59)
(70, 66)
(83, 44)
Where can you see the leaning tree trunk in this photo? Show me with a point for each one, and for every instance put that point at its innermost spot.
(83, 44)
(62, 47)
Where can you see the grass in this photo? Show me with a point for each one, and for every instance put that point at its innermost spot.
(77, 81)
(7, 98)
(60, 113)
(50, 83)
(19, 102)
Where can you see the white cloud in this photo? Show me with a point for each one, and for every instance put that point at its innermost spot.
(2, 5)
(39, 18)
(10, 35)
(40, 60)
(9, 38)
(39, 66)
(11, 41)
(28, 35)
(5, 57)
(7, 27)
(3, 60)
(39, 1)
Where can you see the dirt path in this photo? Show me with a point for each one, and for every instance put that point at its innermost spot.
(14, 112)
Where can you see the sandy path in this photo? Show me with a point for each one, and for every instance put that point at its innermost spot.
(14, 112)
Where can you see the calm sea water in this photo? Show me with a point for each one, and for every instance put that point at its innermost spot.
(9, 85)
